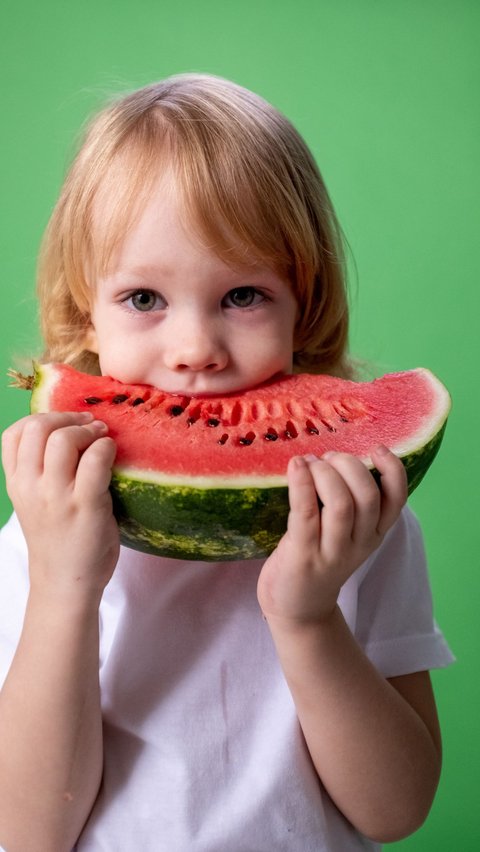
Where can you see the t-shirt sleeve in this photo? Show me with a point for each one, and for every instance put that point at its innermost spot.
(14, 587)
(395, 623)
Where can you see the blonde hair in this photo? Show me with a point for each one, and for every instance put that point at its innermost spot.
(252, 189)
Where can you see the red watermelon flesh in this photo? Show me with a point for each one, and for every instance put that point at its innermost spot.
(251, 434)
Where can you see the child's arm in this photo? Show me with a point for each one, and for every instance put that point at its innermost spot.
(58, 469)
(375, 744)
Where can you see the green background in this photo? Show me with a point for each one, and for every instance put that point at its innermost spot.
(386, 94)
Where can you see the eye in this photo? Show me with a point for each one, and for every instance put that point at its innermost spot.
(146, 300)
(243, 297)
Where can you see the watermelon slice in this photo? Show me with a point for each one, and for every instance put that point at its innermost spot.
(205, 477)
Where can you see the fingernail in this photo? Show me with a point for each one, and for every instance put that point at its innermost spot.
(310, 457)
(382, 450)
(100, 425)
(85, 415)
(298, 461)
(328, 455)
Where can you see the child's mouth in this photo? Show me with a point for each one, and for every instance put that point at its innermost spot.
(228, 390)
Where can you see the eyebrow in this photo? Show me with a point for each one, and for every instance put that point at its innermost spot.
(141, 272)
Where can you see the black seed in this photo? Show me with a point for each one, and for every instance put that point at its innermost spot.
(343, 420)
(270, 436)
(138, 401)
(311, 428)
(223, 439)
(120, 397)
(92, 400)
(247, 439)
(176, 410)
(213, 422)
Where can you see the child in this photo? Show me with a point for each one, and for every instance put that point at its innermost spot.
(194, 247)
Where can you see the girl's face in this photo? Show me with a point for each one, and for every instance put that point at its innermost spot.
(171, 313)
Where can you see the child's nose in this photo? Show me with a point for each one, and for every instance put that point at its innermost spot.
(197, 346)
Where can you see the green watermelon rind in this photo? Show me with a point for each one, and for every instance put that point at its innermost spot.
(219, 523)
(210, 524)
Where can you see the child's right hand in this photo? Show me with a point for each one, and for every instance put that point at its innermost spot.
(301, 580)
(58, 470)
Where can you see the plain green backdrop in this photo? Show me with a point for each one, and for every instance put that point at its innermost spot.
(386, 94)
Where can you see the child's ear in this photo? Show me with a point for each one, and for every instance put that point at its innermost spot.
(90, 340)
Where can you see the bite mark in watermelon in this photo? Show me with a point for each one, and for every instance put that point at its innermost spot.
(205, 477)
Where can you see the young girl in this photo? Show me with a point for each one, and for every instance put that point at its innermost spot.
(147, 704)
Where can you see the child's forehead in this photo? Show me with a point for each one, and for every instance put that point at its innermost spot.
(121, 195)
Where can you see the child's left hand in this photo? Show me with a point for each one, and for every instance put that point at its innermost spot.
(301, 580)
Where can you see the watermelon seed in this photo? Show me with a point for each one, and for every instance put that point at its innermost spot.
(138, 401)
(270, 436)
(311, 428)
(176, 410)
(121, 397)
(341, 411)
(290, 431)
(223, 439)
(213, 422)
(195, 413)
(92, 400)
(328, 426)
(247, 440)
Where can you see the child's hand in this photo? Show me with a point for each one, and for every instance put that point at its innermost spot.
(58, 469)
(301, 580)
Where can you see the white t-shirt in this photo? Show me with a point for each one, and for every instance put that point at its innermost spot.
(203, 750)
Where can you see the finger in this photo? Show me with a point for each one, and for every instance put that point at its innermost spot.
(365, 494)
(394, 487)
(303, 519)
(95, 469)
(64, 448)
(337, 516)
(24, 442)
(10, 441)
